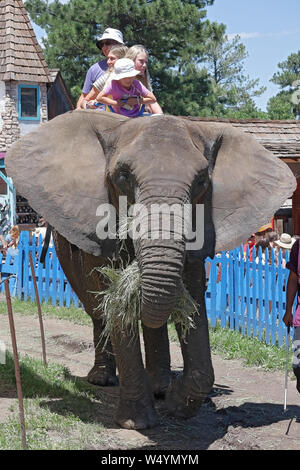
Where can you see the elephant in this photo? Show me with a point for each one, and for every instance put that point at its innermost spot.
(81, 160)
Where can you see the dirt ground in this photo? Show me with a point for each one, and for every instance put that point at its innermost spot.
(243, 412)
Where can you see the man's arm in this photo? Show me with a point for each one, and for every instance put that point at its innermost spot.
(291, 291)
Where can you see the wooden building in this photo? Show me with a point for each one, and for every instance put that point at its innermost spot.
(30, 94)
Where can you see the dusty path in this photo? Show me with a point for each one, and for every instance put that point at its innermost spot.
(245, 410)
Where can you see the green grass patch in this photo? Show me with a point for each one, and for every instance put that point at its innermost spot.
(231, 344)
(74, 314)
(46, 430)
(60, 411)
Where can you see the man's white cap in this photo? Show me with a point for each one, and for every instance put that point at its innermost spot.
(124, 68)
(110, 33)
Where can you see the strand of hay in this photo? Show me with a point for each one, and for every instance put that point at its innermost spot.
(121, 301)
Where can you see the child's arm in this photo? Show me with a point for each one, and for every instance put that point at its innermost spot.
(90, 96)
(148, 99)
(102, 98)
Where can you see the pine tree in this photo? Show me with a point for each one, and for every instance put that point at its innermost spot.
(287, 101)
(224, 61)
(173, 32)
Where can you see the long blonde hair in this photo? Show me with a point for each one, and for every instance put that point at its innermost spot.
(15, 233)
(132, 54)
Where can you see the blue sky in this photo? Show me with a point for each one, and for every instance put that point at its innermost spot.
(270, 30)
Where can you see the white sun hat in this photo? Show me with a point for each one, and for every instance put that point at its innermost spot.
(110, 33)
(285, 241)
(124, 68)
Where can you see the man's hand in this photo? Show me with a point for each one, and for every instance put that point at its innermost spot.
(288, 318)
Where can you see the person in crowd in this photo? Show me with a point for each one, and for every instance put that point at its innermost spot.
(250, 243)
(263, 232)
(12, 240)
(116, 52)
(109, 38)
(293, 288)
(3, 243)
(124, 93)
(285, 242)
(272, 237)
(140, 56)
(41, 230)
(4, 225)
(264, 244)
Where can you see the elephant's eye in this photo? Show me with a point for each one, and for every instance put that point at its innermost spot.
(122, 179)
(201, 179)
(200, 186)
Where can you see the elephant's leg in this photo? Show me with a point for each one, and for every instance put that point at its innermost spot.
(187, 393)
(136, 404)
(104, 370)
(157, 355)
(78, 267)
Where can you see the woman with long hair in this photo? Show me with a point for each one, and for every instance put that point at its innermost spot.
(139, 55)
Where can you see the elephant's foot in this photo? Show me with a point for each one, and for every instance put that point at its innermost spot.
(159, 382)
(102, 376)
(185, 395)
(136, 414)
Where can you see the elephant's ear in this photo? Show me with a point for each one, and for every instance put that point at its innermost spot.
(60, 168)
(249, 186)
(249, 182)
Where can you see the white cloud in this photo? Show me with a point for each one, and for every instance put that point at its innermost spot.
(253, 35)
(244, 35)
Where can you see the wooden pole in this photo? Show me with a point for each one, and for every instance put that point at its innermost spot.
(39, 310)
(16, 361)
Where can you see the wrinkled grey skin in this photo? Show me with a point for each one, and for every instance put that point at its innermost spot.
(82, 159)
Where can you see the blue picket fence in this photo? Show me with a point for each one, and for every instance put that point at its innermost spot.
(248, 296)
(243, 295)
(52, 283)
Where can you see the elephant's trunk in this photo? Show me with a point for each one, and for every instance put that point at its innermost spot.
(161, 261)
(161, 274)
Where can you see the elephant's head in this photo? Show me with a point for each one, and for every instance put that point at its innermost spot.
(80, 160)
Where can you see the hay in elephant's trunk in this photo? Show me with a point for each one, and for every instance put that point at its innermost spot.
(121, 301)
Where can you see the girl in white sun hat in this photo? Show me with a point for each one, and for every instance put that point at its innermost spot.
(124, 93)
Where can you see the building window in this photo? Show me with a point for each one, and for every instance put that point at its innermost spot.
(29, 102)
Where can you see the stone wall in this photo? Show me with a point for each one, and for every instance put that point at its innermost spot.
(10, 131)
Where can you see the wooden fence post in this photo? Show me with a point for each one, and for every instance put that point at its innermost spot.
(16, 361)
(39, 309)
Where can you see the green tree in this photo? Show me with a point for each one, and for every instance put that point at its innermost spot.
(173, 31)
(280, 106)
(286, 104)
(195, 68)
(224, 61)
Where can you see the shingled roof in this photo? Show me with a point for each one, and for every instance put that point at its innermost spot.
(282, 138)
(21, 57)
